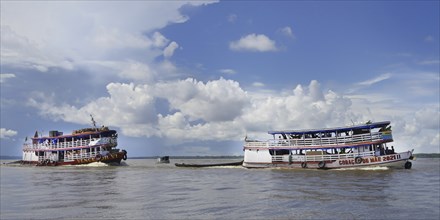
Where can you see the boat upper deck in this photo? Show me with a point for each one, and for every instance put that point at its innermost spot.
(342, 137)
(84, 138)
(88, 134)
(368, 126)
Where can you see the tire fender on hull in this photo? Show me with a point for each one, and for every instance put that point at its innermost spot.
(125, 155)
(98, 157)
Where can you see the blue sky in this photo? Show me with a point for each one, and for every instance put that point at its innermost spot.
(194, 78)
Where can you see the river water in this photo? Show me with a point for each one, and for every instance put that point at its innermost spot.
(142, 189)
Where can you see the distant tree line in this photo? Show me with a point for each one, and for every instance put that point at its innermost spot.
(423, 155)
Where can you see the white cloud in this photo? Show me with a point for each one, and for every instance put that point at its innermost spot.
(429, 62)
(22, 52)
(118, 39)
(169, 50)
(375, 80)
(128, 106)
(7, 133)
(159, 40)
(300, 108)
(136, 71)
(218, 100)
(132, 108)
(220, 110)
(287, 31)
(228, 71)
(232, 18)
(5, 76)
(178, 129)
(84, 32)
(418, 130)
(258, 84)
(429, 38)
(254, 43)
(428, 117)
(124, 69)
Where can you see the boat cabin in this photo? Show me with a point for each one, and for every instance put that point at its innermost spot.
(322, 145)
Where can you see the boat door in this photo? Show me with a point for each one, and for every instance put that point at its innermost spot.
(61, 156)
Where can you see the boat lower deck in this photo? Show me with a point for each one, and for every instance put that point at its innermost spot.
(110, 158)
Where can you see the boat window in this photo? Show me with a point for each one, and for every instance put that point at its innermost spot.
(279, 152)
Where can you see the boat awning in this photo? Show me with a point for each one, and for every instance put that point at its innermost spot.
(337, 129)
(84, 135)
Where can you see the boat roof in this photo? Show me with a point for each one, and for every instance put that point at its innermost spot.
(338, 129)
(78, 135)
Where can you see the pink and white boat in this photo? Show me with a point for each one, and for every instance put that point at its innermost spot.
(83, 146)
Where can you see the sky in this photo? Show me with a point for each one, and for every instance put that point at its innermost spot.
(194, 78)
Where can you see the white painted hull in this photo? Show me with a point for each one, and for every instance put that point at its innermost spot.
(397, 160)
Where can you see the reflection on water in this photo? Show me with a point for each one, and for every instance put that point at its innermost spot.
(146, 190)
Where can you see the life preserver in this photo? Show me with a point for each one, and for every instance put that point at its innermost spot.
(321, 164)
(98, 157)
(358, 160)
(125, 155)
(408, 165)
(304, 165)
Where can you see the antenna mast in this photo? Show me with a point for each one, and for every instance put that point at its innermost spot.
(93, 121)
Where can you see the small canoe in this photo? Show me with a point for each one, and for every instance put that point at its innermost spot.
(208, 165)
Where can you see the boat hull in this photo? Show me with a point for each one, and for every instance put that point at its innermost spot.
(111, 158)
(398, 160)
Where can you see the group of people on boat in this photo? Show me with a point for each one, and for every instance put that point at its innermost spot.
(387, 151)
(379, 149)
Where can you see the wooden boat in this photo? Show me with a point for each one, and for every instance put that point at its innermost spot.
(164, 159)
(327, 148)
(208, 165)
(83, 146)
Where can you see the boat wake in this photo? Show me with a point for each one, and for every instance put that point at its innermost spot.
(364, 168)
(94, 164)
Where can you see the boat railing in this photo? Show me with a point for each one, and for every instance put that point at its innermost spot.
(69, 156)
(318, 158)
(67, 144)
(324, 141)
(75, 156)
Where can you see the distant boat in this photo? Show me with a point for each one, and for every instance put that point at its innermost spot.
(327, 148)
(83, 146)
(208, 165)
(165, 159)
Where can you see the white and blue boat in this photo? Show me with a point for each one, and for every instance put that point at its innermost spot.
(327, 148)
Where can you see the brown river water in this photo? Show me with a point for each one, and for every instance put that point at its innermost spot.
(142, 189)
